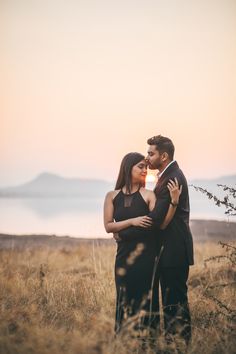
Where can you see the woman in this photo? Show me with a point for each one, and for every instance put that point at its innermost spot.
(127, 206)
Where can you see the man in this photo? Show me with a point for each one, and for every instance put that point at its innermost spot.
(176, 239)
(175, 251)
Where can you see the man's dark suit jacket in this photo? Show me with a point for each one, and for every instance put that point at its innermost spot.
(176, 238)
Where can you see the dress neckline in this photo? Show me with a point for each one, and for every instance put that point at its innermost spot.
(130, 193)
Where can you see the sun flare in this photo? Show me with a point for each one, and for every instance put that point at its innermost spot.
(150, 178)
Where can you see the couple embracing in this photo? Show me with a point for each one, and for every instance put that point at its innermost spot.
(154, 242)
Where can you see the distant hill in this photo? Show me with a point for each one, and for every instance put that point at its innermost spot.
(52, 185)
(48, 185)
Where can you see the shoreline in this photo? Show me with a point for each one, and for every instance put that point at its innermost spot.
(202, 230)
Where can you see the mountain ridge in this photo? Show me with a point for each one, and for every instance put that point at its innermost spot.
(48, 184)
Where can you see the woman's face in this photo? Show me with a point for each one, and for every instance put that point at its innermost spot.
(139, 172)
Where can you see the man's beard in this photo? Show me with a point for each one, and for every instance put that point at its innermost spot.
(151, 167)
(156, 167)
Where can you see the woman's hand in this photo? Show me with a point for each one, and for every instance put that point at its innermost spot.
(116, 237)
(175, 190)
(143, 221)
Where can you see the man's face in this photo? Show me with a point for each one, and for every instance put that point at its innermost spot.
(154, 158)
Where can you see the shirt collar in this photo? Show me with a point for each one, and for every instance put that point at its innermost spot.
(161, 173)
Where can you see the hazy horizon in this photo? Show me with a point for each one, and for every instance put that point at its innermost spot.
(103, 179)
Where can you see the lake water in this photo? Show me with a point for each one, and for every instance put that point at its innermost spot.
(76, 217)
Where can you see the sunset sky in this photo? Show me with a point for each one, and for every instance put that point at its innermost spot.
(83, 82)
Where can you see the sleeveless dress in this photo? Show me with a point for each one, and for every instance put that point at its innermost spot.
(137, 304)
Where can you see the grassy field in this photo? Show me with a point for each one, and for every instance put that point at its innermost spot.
(62, 300)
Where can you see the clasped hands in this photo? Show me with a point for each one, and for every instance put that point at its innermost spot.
(142, 221)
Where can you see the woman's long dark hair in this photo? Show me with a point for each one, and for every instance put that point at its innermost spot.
(124, 176)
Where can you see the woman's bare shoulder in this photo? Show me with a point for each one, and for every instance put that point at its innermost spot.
(147, 192)
(112, 194)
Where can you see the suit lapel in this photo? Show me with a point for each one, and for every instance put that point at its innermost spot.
(174, 166)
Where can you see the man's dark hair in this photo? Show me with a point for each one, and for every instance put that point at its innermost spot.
(163, 144)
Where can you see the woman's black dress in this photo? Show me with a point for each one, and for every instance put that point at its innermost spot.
(135, 268)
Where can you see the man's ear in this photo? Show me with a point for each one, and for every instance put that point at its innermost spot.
(165, 156)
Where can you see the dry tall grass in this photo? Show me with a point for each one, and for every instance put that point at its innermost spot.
(63, 301)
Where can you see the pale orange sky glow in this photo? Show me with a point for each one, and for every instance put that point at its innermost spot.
(85, 82)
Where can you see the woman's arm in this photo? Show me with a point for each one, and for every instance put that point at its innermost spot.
(175, 192)
(112, 226)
